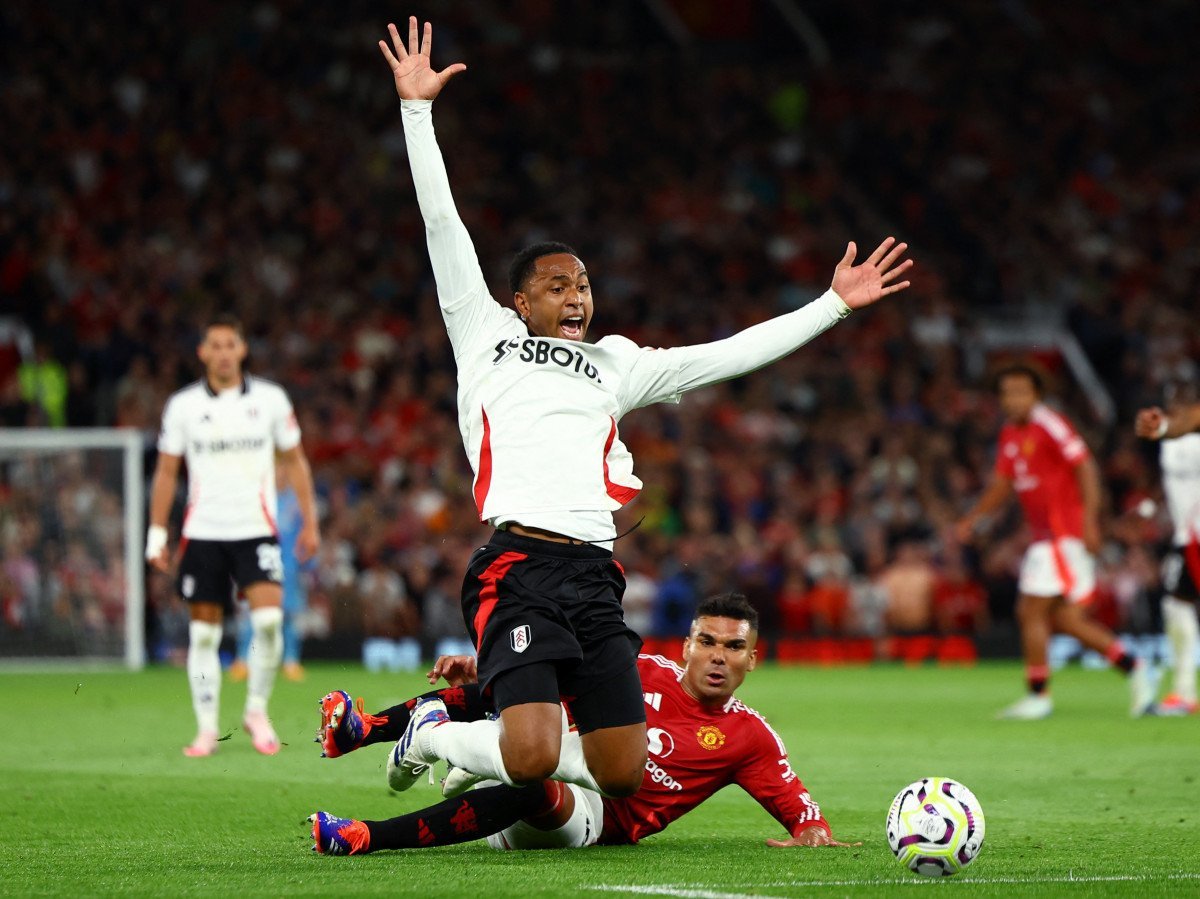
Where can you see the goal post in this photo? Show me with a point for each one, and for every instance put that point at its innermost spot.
(72, 578)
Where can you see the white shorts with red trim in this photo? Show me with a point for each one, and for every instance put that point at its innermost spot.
(1061, 567)
(582, 828)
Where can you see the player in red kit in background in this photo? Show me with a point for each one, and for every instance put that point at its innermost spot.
(700, 739)
(1046, 462)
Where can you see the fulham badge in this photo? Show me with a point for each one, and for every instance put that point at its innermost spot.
(519, 638)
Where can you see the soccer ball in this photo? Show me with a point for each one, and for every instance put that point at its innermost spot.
(935, 826)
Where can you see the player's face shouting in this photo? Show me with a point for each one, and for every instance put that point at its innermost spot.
(222, 353)
(716, 656)
(557, 300)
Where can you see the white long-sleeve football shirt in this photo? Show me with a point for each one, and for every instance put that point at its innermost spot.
(1180, 459)
(229, 440)
(539, 415)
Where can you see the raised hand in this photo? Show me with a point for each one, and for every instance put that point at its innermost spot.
(1149, 423)
(862, 285)
(415, 77)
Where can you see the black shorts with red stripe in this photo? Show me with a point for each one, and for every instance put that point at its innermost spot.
(528, 601)
(212, 570)
(1181, 572)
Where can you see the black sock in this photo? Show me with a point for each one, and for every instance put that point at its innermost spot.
(1125, 662)
(465, 703)
(472, 816)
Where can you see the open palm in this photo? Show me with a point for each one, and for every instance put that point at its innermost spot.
(415, 78)
(861, 285)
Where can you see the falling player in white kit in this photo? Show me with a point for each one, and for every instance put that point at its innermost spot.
(538, 413)
(1180, 462)
(229, 427)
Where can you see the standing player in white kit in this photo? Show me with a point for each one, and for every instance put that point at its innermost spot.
(538, 413)
(1180, 460)
(229, 427)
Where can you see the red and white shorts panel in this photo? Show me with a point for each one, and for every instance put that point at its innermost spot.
(1061, 567)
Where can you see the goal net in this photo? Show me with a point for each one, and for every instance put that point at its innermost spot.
(71, 571)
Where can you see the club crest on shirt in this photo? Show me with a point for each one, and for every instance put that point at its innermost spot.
(710, 737)
(519, 638)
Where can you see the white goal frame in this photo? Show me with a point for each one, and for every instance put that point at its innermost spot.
(131, 442)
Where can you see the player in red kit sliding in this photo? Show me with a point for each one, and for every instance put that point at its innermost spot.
(1048, 465)
(700, 739)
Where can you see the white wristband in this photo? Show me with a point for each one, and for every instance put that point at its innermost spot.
(1162, 428)
(156, 541)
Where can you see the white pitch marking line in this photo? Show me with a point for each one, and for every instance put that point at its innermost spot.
(702, 891)
(679, 892)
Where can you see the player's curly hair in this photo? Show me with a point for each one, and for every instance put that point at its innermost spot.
(728, 605)
(1020, 370)
(522, 265)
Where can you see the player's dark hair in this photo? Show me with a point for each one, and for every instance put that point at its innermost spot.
(728, 605)
(1019, 370)
(226, 320)
(522, 265)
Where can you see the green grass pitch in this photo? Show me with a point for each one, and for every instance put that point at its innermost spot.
(100, 801)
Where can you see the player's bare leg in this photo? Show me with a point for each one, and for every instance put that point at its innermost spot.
(1179, 618)
(616, 756)
(1071, 618)
(204, 674)
(266, 653)
(530, 740)
(1034, 616)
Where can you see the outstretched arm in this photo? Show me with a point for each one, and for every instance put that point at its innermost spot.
(665, 374)
(995, 496)
(467, 306)
(1155, 424)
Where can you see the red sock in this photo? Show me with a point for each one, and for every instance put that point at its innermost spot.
(1119, 657)
(1037, 676)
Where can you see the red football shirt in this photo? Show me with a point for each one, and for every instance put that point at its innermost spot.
(694, 752)
(1040, 458)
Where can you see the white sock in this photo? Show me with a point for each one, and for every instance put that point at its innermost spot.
(471, 745)
(1179, 619)
(572, 766)
(266, 652)
(204, 673)
(475, 746)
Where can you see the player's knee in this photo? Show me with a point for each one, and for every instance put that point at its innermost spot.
(530, 767)
(624, 778)
(623, 783)
(530, 758)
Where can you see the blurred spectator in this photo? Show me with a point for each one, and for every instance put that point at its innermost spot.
(133, 203)
(391, 623)
(959, 601)
(43, 383)
(909, 584)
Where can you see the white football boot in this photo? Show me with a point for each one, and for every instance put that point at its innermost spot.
(1031, 707)
(407, 762)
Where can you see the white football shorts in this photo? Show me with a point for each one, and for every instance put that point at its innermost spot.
(1061, 567)
(582, 828)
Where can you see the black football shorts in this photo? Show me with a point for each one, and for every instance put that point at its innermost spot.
(1177, 577)
(213, 570)
(527, 601)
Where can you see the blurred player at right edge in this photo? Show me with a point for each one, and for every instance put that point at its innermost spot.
(1180, 461)
(1057, 481)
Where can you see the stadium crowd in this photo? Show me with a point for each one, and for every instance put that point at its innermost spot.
(222, 156)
